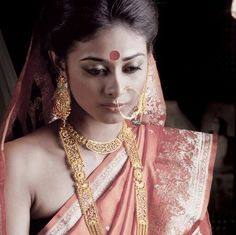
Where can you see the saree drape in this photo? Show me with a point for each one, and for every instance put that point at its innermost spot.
(178, 168)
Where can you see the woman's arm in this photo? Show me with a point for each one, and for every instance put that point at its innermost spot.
(17, 193)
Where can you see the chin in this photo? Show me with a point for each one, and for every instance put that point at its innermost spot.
(111, 120)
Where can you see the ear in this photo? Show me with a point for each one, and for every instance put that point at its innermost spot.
(57, 62)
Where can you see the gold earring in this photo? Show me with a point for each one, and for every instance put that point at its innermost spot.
(62, 101)
(139, 110)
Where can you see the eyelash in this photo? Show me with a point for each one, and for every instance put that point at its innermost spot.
(104, 72)
(132, 69)
(97, 72)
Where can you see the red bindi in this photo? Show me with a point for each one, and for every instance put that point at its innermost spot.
(114, 55)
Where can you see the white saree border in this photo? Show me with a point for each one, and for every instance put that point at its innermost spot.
(197, 231)
(100, 184)
(183, 183)
(198, 182)
(197, 193)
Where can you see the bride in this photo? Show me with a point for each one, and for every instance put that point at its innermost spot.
(91, 154)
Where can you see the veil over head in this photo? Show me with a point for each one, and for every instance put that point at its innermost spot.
(32, 101)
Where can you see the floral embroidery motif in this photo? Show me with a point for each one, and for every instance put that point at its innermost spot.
(155, 110)
(182, 174)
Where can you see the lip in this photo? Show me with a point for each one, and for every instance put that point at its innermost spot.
(114, 107)
(113, 104)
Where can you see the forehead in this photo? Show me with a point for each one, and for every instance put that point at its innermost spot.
(113, 38)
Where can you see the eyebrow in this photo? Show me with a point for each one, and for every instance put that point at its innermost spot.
(133, 56)
(103, 60)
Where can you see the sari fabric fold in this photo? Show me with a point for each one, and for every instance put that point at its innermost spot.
(178, 169)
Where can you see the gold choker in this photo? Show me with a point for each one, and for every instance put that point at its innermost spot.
(100, 147)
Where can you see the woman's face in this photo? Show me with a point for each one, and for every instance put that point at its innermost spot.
(107, 71)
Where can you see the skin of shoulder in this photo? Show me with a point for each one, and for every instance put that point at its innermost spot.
(28, 152)
(26, 164)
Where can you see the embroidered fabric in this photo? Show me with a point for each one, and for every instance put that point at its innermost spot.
(181, 171)
(178, 169)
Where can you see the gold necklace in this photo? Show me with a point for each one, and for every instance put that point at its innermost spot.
(83, 190)
(100, 147)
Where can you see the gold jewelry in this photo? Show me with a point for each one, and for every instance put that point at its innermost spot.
(83, 191)
(138, 113)
(140, 187)
(62, 106)
(88, 206)
(100, 147)
(136, 109)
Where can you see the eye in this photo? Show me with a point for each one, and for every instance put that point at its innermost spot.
(131, 69)
(97, 71)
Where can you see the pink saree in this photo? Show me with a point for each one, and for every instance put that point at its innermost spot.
(178, 166)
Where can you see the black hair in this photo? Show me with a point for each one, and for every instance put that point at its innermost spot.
(63, 22)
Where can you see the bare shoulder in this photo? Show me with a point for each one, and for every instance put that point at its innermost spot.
(28, 157)
(33, 147)
(40, 139)
(27, 160)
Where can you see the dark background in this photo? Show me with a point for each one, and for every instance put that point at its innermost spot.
(195, 46)
(196, 57)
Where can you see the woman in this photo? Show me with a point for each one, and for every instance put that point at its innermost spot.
(104, 164)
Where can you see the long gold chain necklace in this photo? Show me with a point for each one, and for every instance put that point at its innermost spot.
(69, 138)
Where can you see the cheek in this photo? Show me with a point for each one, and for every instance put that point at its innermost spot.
(77, 81)
(79, 90)
(83, 90)
(139, 81)
(135, 88)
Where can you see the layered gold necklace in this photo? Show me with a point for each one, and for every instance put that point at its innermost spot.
(71, 140)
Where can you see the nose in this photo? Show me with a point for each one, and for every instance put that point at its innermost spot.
(114, 86)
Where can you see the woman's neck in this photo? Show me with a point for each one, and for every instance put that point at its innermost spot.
(95, 130)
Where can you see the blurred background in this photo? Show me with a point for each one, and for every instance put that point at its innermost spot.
(196, 58)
